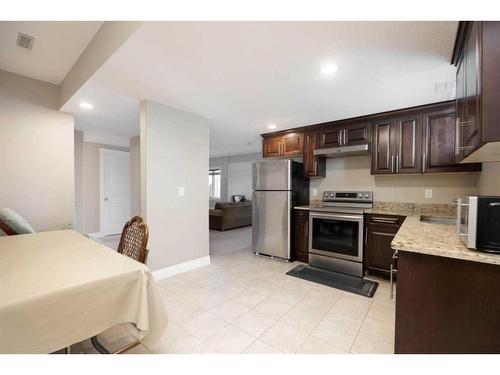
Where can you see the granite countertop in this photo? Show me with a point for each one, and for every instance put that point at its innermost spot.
(422, 237)
(436, 239)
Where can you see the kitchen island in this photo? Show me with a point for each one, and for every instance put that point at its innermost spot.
(448, 296)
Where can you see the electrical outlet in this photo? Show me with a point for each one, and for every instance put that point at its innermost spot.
(428, 193)
(181, 191)
(315, 192)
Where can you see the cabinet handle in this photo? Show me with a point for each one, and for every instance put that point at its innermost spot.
(344, 131)
(307, 228)
(423, 161)
(397, 163)
(392, 163)
(339, 138)
(384, 220)
(315, 167)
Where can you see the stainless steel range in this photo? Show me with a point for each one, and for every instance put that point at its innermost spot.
(336, 231)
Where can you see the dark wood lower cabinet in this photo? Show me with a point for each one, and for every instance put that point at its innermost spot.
(380, 230)
(446, 305)
(302, 235)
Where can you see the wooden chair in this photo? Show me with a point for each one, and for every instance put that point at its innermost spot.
(133, 242)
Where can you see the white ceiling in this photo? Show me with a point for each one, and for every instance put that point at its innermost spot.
(57, 46)
(244, 75)
(113, 112)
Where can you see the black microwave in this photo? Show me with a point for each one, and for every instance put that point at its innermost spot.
(478, 222)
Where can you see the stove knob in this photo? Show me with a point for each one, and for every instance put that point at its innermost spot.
(360, 195)
(367, 196)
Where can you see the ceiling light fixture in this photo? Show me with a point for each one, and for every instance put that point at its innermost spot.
(271, 126)
(329, 69)
(86, 105)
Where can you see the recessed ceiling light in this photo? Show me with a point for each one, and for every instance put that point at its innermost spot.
(86, 105)
(329, 69)
(271, 126)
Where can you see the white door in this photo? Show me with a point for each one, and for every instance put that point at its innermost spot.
(115, 190)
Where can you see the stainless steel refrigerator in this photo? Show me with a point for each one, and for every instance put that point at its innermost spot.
(278, 186)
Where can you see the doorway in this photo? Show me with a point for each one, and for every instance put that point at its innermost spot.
(115, 195)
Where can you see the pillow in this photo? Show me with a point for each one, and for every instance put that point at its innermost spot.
(15, 222)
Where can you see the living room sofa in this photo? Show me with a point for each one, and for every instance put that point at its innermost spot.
(229, 215)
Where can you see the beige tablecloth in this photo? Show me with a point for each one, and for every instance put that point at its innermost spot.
(58, 288)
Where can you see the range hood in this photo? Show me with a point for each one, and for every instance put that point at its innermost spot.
(343, 151)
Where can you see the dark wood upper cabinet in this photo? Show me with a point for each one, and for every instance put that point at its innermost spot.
(314, 166)
(272, 146)
(357, 133)
(330, 136)
(440, 143)
(293, 144)
(421, 141)
(397, 145)
(408, 156)
(476, 55)
(383, 146)
(336, 135)
(289, 144)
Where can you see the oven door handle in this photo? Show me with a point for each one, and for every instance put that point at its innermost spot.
(338, 217)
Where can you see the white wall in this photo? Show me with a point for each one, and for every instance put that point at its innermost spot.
(79, 178)
(353, 173)
(135, 175)
(174, 153)
(36, 153)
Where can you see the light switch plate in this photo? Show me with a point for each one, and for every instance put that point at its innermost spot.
(315, 192)
(428, 193)
(181, 191)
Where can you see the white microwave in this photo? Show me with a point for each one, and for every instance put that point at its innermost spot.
(478, 222)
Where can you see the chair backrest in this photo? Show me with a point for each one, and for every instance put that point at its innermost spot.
(134, 240)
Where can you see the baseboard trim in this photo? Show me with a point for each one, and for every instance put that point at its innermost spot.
(95, 235)
(167, 272)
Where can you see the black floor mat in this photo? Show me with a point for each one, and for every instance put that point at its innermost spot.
(337, 280)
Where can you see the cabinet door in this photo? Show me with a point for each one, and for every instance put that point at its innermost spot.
(380, 253)
(409, 145)
(302, 235)
(439, 143)
(293, 144)
(314, 166)
(470, 124)
(329, 136)
(272, 146)
(355, 134)
(383, 146)
(461, 115)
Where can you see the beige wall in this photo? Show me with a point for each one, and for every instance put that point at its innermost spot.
(489, 181)
(36, 153)
(79, 194)
(354, 173)
(174, 153)
(91, 184)
(135, 174)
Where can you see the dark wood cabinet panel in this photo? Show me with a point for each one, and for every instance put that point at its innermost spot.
(355, 134)
(476, 55)
(409, 145)
(381, 230)
(383, 146)
(272, 146)
(470, 124)
(302, 235)
(330, 136)
(293, 144)
(314, 166)
(289, 144)
(439, 143)
(442, 309)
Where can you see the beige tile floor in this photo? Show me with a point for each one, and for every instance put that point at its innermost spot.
(242, 303)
